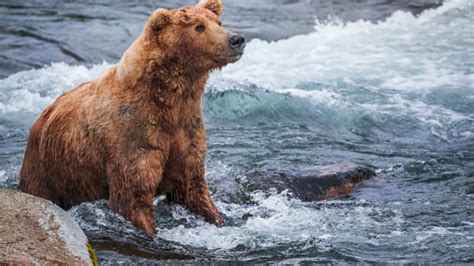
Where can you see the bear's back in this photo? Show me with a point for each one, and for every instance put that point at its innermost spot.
(63, 154)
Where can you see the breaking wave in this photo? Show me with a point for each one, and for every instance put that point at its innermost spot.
(413, 70)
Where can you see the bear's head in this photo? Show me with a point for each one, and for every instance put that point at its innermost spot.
(194, 36)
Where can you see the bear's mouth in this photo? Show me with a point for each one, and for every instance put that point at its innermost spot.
(232, 58)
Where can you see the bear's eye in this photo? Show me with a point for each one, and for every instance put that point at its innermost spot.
(200, 28)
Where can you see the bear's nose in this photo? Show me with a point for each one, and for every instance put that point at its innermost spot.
(237, 42)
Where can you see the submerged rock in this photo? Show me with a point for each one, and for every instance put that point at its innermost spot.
(35, 231)
(315, 183)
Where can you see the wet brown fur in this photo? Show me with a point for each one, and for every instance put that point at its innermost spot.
(137, 131)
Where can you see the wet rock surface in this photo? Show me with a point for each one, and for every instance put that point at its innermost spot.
(314, 183)
(35, 231)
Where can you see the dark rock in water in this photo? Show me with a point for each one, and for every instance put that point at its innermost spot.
(315, 183)
(34, 231)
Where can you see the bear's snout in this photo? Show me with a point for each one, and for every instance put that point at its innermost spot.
(237, 43)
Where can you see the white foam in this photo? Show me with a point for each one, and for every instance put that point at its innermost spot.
(402, 53)
(277, 220)
(33, 90)
(3, 176)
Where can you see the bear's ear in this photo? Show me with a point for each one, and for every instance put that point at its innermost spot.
(159, 19)
(215, 6)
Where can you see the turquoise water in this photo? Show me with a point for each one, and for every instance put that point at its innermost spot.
(397, 95)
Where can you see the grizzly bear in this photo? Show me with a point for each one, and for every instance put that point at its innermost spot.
(138, 130)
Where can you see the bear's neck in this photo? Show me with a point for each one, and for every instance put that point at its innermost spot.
(165, 78)
(169, 81)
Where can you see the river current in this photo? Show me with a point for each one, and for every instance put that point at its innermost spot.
(395, 93)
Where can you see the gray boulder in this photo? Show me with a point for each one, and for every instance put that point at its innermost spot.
(35, 231)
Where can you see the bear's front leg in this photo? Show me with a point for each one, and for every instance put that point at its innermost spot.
(132, 186)
(198, 198)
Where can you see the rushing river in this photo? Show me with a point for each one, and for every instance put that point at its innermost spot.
(395, 93)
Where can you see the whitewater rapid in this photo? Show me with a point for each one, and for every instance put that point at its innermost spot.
(404, 66)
